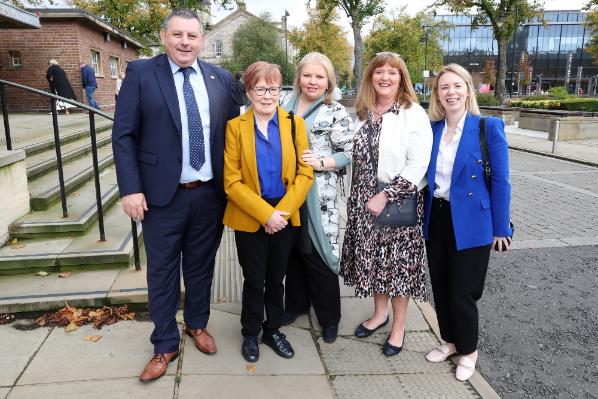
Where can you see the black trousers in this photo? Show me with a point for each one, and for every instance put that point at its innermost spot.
(457, 280)
(310, 282)
(263, 258)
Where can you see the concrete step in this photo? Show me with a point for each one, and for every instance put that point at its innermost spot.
(45, 190)
(82, 211)
(85, 252)
(37, 144)
(43, 162)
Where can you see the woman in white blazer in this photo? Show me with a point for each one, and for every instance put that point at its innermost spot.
(392, 145)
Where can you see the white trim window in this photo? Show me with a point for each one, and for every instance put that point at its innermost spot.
(96, 62)
(218, 48)
(114, 63)
(15, 59)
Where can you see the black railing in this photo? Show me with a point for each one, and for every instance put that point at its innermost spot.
(94, 149)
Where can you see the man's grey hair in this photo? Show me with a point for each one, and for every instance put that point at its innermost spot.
(182, 13)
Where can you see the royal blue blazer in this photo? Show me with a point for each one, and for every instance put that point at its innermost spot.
(478, 214)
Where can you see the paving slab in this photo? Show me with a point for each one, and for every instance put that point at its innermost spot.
(123, 351)
(340, 357)
(415, 341)
(226, 329)
(401, 386)
(356, 310)
(16, 350)
(129, 388)
(4, 392)
(255, 386)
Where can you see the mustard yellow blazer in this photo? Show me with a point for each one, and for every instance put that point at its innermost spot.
(246, 210)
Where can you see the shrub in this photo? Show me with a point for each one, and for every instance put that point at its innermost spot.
(487, 99)
(558, 92)
(580, 104)
(540, 104)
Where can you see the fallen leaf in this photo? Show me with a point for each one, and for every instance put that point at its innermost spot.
(71, 327)
(42, 273)
(65, 275)
(92, 338)
(14, 244)
(6, 318)
(75, 194)
(250, 367)
(223, 299)
(14, 241)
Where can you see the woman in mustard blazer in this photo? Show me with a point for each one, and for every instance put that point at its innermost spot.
(266, 184)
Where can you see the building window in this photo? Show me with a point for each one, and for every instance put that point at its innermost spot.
(15, 58)
(114, 67)
(218, 48)
(96, 62)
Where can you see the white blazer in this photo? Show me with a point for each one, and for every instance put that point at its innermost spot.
(405, 145)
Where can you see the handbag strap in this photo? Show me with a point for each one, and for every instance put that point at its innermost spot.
(314, 109)
(484, 148)
(293, 134)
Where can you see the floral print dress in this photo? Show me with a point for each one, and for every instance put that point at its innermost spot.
(377, 259)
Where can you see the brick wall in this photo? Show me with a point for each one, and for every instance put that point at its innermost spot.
(68, 41)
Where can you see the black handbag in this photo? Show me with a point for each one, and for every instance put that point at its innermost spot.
(395, 213)
(486, 161)
(302, 240)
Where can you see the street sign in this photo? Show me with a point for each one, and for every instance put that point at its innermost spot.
(426, 73)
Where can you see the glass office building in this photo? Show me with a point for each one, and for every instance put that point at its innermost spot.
(556, 50)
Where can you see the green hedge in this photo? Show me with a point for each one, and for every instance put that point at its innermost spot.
(569, 104)
(487, 99)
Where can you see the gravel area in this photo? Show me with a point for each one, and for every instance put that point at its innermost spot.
(539, 322)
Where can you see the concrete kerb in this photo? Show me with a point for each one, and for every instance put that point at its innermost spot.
(477, 381)
(555, 156)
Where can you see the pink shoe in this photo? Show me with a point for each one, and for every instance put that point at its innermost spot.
(465, 368)
(440, 354)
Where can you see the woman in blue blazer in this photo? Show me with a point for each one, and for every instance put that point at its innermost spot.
(463, 217)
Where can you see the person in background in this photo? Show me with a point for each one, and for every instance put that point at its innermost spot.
(88, 79)
(119, 82)
(312, 278)
(463, 217)
(392, 145)
(60, 85)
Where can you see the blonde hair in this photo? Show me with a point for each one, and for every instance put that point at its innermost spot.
(436, 110)
(323, 61)
(366, 97)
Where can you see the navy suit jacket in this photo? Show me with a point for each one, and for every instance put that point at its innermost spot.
(478, 215)
(146, 137)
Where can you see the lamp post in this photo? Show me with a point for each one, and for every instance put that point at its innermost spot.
(513, 53)
(425, 63)
(286, 46)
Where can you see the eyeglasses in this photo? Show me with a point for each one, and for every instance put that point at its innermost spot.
(260, 91)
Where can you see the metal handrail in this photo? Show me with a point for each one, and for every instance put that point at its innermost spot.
(92, 128)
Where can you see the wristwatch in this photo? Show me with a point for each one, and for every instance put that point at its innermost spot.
(321, 163)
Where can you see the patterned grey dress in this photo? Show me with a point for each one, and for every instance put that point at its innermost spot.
(377, 259)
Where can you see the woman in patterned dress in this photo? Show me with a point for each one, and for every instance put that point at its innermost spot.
(392, 144)
(312, 278)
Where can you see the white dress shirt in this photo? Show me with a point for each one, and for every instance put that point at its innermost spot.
(446, 160)
(196, 79)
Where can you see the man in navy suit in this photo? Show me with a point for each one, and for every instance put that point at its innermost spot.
(168, 142)
(88, 79)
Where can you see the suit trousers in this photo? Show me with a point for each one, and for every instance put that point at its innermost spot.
(310, 282)
(263, 258)
(457, 280)
(185, 235)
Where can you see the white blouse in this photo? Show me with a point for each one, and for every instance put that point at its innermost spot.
(446, 158)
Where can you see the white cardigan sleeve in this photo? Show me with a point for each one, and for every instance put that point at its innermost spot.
(419, 145)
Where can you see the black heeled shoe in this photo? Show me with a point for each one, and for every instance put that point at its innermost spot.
(362, 331)
(390, 350)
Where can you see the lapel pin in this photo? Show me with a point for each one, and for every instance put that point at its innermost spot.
(212, 77)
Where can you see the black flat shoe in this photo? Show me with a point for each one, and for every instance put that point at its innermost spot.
(250, 349)
(362, 331)
(278, 342)
(329, 334)
(391, 350)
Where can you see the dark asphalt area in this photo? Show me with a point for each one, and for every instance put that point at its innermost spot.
(539, 323)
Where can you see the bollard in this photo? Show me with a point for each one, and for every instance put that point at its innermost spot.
(555, 138)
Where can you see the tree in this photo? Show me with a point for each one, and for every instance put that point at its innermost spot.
(504, 16)
(142, 19)
(256, 40)
(592, 24)
(322, 33)
(416, 39)
(358, 12)
(489, 71)
(524, 72)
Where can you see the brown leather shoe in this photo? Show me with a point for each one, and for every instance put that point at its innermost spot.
(156, 367)
(203, 340)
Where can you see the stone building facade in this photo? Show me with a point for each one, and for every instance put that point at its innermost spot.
(68, 36)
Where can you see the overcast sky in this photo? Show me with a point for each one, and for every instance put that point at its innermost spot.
(298, 10)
